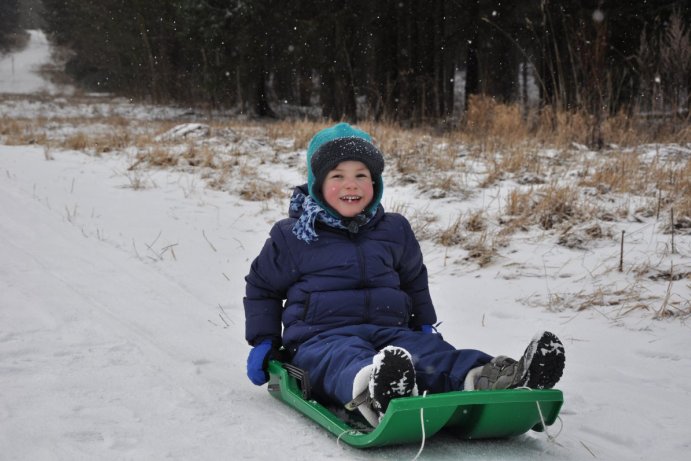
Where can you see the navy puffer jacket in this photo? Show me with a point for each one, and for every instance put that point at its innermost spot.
(375, 276)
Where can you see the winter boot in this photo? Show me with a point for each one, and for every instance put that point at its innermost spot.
(540, 367)
(391, 375)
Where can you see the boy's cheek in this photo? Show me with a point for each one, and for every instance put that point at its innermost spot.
(331, 192)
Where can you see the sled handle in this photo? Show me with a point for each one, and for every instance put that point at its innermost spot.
(302, 376)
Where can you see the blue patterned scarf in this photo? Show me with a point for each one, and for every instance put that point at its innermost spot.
(312, 212)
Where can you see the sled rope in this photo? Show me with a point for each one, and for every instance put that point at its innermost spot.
(550, 437)
(347, 431)
(422, 425)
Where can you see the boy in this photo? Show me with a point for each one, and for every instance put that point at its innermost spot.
(349, 285)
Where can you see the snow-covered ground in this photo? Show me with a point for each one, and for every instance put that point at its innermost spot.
(20, 71)
(121, 321)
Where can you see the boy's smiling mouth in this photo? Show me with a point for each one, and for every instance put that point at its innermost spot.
(351, 198)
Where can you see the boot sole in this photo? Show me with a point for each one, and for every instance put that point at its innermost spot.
(545, 358)
(394, 377)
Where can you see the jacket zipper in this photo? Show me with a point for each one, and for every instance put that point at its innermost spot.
(307, 306)
(363, 285)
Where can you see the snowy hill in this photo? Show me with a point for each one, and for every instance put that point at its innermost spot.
(121, 322)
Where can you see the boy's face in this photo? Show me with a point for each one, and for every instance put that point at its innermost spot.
(348, 188)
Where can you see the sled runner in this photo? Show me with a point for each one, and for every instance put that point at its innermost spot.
(469, 415)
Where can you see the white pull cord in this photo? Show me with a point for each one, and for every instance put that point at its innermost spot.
(550, 437)
(422, 425)
(347, 431)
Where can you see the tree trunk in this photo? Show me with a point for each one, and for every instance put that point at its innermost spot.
(261, 103)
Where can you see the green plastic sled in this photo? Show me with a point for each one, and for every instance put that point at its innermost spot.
(468, 415)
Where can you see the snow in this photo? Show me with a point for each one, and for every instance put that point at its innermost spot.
(122, 329)
(19, 72)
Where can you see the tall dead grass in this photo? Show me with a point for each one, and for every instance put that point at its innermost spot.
(18, 132)
(492, 125)
(512, 145)
(545, 206)
(498, 140)
(300, 131)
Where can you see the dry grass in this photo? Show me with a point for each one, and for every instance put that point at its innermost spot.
(19, 132)
(619, 173)
(439, 185)
(516, 162)
(199, 156)
(472, 235)
(476, 222)
(509, 143)
(300, 131)
(78, 141)
(261, 190)
(518, 202)
(667, 183)
(483, 249)
(557, 204)
(499, 136)
(580, 236)
(545, 206)
(158, 156)
(422, 223)
(10, 127)
(682, 186)
(496, 142)
(494, 126)
(219, 178)
(38, 131)
(682, 208)
(453, 234)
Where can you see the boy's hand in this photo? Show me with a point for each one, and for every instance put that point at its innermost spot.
(428, 329)
(257, 362)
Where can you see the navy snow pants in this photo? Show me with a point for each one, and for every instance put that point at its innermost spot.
(334, 357)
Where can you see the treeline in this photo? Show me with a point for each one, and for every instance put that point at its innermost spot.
(395, 60)
(9, 23)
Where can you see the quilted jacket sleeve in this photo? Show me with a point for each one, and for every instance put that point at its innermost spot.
(413, 275)
(271, 274)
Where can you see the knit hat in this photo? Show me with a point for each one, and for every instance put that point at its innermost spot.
(334, 145)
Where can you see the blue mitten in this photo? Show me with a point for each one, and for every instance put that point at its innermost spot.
(428, 329)
(257, 361)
